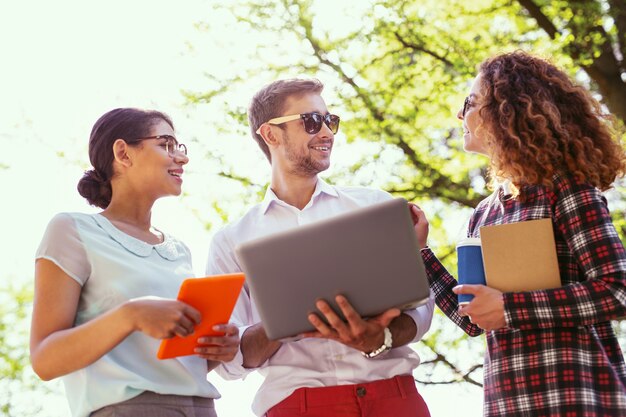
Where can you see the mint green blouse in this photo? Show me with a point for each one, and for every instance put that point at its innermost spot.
(113, 267)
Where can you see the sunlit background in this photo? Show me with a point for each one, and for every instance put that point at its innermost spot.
(65, 63)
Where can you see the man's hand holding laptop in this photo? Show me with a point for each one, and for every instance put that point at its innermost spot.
(357, 332)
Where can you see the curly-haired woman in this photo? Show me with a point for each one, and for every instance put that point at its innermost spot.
(552, 151)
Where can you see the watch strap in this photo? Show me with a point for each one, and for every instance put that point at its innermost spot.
(387, 343)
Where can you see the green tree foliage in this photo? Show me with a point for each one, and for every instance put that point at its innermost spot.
(404, 70)
(17, 377)
(400, 71)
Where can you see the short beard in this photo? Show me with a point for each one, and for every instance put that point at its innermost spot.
(304, 165)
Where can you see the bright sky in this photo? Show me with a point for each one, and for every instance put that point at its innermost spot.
(64, 63)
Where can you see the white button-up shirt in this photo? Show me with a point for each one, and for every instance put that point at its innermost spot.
(309, 362)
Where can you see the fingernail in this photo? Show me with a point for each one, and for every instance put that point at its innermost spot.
(218, 327)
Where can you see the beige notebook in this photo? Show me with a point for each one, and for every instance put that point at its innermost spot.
(520, 256)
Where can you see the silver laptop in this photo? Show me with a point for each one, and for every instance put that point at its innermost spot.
(370, 255)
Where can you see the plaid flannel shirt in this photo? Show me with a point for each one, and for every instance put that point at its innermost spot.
(558, 355)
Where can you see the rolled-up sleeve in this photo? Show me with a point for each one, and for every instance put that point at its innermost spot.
(422, 316)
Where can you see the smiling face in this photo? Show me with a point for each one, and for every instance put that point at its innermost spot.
(471, 120)
(298, 152)
(156, 171)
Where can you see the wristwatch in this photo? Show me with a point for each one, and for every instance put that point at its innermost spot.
(384, 348)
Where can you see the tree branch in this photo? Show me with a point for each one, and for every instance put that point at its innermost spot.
(439, 181)
(542, 20)
(439, 358)
(423, 49)
(605, 69)
(618, 13)
(244, 180)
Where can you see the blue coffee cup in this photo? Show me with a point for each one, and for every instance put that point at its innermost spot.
(470, 262)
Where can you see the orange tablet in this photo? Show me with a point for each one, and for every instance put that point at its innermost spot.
(215, 298)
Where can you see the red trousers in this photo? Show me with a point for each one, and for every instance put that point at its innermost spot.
(394, 397)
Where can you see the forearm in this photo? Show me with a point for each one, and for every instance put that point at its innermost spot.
(212, 365)
(441, 284)
(592, 260)
(69, 350)
(256, 348)
(573, 305)
(403, 330)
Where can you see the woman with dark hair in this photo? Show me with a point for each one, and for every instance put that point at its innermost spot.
(106, 283)
(552, 151)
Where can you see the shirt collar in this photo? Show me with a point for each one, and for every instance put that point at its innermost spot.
(320, 187)
(167, 249)
(506, 189)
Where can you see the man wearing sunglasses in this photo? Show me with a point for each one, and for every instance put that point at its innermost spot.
(358, 368)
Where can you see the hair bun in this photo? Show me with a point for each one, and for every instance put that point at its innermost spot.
(95, 189)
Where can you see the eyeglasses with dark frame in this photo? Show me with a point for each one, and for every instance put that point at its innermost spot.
(466, 105)
(171, 144)
(312, 122)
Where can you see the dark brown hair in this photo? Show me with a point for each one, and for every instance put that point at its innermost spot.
(269, 102)
(123, 123)
(538, 123)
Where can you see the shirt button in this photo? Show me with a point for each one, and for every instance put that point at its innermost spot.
(361, 391)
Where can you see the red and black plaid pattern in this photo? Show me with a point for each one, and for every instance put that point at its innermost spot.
(558, 355)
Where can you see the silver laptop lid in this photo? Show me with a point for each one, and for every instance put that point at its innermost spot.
(370, 255)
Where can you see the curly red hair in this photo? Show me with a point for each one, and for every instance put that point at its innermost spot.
(538, 123)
